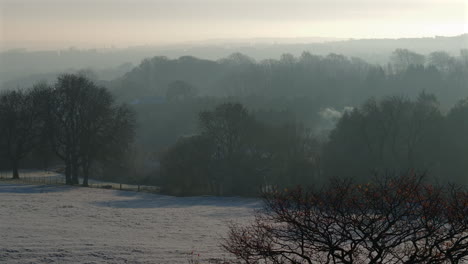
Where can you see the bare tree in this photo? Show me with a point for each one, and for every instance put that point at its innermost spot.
(391, 220)
(228, 128)
(21, 123)
(107, 133)
(403, 58)
(67, 101)
(86, 125)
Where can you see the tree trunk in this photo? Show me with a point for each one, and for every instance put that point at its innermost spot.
(15, 169)
(85, 174)
(85, 180)
(75, 179)
(68, 173)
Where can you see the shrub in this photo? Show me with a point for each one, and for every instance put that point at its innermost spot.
(390, 220)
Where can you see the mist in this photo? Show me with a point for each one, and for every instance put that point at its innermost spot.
(247, 131)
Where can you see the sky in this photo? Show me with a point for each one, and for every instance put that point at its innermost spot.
(51, 24)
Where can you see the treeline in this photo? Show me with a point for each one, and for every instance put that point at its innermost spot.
(333, 80)
(194, 134)
(20, 63)
(74, 121)
(236, 153)
(167, 94)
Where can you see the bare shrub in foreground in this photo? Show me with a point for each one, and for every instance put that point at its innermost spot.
(391, 220)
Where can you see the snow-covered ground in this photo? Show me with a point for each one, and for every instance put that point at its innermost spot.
(63, 224)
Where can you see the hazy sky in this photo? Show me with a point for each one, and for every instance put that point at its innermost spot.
(99, 23)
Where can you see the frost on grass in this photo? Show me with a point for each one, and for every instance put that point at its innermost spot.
(62, 224)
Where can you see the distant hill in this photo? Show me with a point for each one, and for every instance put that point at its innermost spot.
(372, 50)
(20, 64)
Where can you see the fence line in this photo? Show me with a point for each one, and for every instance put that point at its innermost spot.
(40, 177)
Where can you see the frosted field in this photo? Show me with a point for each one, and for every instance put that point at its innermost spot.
(63, 224)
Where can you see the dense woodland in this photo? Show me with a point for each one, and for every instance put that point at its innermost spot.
(236, 126)
(332, 80)
(306, 87)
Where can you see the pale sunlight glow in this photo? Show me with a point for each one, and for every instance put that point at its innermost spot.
(38, 24)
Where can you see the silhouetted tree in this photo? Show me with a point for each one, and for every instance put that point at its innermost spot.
(442, 60)
(403, 58)
(86, 125)
(229, 127)
(22, 122)
(455, 138)
(107, 131)
(392, 134)
(186, 167)
(292, 156)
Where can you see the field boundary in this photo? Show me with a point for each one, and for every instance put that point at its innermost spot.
(44, 177)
